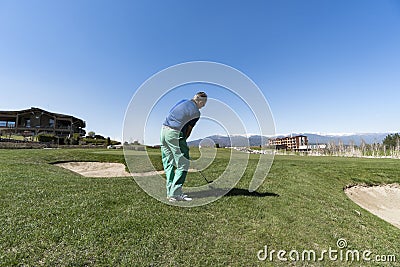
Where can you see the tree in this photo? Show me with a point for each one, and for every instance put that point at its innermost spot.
(100, 137)
(391, 140)
(135, 142)
(67, 141)
(75, 139)
(91, 134)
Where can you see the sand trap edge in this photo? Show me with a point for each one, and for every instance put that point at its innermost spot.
(380, 200)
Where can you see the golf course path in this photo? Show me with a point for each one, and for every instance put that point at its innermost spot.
(382, 200)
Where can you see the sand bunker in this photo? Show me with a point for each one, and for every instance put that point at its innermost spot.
(104, 169)
(96, 169)
(383, 201)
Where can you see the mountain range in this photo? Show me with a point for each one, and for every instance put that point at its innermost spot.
(257, 140)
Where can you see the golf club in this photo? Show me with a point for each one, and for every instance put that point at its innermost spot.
(209, 182)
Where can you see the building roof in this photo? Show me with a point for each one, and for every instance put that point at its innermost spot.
(77, 121)
(288, 137)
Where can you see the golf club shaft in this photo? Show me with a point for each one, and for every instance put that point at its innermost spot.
(203, 177)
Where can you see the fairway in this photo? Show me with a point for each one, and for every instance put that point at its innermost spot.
(54, 217)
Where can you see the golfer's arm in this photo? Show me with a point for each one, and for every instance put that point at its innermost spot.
(188, 131)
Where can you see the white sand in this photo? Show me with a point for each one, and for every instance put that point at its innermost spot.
(104, 169)
(96, 169)
(383, 201)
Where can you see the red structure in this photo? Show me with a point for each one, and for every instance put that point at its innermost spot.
(297, 142)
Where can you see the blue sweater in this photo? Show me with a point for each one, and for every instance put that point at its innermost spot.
(184, 113)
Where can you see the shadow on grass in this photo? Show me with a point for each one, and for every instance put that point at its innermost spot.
(243, 192)
(213, 192)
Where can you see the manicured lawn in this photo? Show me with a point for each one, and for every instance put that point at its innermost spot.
(54, 217)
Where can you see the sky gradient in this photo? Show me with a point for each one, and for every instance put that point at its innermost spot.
(326, 66)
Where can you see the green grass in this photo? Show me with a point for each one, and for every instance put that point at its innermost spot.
(54, 217)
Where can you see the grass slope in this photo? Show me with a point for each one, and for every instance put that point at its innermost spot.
(53, 217)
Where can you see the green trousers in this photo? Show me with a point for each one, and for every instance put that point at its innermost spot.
(175, 159)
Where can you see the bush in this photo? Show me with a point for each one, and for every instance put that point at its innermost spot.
(94, 141)
(99, 137)
(47, 138)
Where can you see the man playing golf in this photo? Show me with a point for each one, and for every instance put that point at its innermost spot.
(174, 150)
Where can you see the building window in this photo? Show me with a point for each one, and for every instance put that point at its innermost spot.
(9, 124)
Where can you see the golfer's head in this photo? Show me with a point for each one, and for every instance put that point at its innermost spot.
(200, 99)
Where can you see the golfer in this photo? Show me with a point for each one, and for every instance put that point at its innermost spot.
(174, 150)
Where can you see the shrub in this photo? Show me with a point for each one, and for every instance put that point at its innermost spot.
(99, 137)
(47, 138)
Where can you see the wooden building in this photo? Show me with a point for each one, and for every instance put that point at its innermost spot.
(33, 121)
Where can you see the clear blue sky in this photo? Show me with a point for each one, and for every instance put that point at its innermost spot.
(323, 65)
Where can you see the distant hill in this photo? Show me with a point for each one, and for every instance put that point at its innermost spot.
(347, 139)
(257, 140)
(234, 140)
